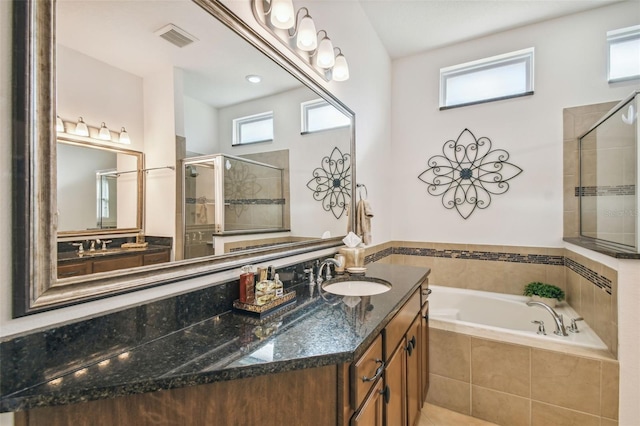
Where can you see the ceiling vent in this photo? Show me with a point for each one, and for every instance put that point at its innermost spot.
(175, 35)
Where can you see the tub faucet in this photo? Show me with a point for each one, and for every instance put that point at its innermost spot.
(560, 330)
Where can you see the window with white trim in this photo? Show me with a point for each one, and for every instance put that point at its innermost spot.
(624, 53)
(318, 115)
(253, 129)
(490, 79)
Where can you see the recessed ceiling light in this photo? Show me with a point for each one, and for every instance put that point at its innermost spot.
(253, 78)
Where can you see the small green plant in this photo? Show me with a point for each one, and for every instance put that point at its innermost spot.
(544, 290)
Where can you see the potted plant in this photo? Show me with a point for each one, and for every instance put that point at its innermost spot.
(542, 292)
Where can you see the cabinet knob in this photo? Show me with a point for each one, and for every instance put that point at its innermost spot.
(386, 393)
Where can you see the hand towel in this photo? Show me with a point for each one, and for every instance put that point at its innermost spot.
(364, 213)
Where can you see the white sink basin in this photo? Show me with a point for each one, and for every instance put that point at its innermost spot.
(356, 287)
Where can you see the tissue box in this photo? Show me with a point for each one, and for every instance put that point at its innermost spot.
(353, 256)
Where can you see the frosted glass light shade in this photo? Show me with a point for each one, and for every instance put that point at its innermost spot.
(325, 59)
(81, 128)
(104, 132)
(124, 137)
(282, 14)
(307, 39)
(340, 70)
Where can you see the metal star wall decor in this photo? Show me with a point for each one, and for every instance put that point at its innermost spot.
(468, 173)
(331, 183)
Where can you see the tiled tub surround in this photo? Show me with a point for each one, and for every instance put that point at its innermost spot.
(591, 288)
(514, 384)
(193, 339)
(477, 373)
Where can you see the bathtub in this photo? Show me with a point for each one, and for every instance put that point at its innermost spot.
(505, 317)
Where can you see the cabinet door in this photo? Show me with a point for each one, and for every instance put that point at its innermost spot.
(424, 356)
(395, 376)
(371, 413)
(414, 378)
(66, 270)
(153, 258)
(120, 262)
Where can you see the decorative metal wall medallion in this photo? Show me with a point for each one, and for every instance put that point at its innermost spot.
(331, 183)
(468, 173)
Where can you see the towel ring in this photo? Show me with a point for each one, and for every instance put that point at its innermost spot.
(360, 186)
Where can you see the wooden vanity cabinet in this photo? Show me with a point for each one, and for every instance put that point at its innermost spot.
(424, 319)
(92, 265)
(402, 343)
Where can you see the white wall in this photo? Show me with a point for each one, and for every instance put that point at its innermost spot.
(570, 70)
(200, 127)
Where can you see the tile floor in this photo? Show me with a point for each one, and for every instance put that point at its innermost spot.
(432, 415)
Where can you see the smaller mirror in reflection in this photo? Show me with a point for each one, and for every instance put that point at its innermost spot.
(98, 188)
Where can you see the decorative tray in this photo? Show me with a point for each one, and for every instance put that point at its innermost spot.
(268, 308)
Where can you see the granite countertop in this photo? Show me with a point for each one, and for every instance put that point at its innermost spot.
(316, 331)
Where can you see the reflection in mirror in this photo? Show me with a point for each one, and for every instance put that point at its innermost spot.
(115, 63)
(99, 188)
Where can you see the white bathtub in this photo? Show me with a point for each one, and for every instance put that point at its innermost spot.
(504, 316)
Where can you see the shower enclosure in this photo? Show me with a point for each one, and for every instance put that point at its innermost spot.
(609, 179)
(226, 195)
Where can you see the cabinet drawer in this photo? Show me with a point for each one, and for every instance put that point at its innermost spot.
(364, 372)
(400, 323)
(121, 262)
(153, 258)
(74, 269)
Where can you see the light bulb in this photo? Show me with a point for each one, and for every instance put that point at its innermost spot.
(325, 54)
(307, 39)
(124, 137)
(104, 132)
(340, 71)
(253, 78)
(59, 124)
(282, 14)
(81, 128)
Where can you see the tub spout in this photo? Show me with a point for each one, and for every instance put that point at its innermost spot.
(557, 318)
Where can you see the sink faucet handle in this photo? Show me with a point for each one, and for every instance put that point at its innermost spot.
(541, 329)
(104, 244)
(310, 272)
(574, 327)
(80, 247)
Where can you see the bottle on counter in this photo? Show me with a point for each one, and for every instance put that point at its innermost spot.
(279, 287)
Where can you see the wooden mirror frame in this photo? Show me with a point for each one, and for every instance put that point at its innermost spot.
(35, 285)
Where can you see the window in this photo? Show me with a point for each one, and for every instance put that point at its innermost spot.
(624, 53)
(318, 115)
(490, 79)
(253, 129)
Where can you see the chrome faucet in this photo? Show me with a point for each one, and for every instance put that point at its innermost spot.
(326, 262)
(80, 247)
(560, 330)
(103, 242)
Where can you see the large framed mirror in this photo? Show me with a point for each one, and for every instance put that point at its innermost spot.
(117, 63)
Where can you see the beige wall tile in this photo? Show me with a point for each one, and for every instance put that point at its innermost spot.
(547, 415)
(451, 394)
(572, 285)
(500, 366)
(565, 380)
(610, 389)
(587, 300)
(450, 354)
(608, 422)
(498, 407)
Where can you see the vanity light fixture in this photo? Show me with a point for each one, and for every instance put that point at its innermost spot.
(282, 14)
(309, 45)
(305, 32)
(325, 57)
(81, 128)
(124, 136)
(340, 71)
(59, 124)
(104, 132)
(253, 78)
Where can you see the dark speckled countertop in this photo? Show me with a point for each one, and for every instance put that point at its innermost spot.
(315, 332)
